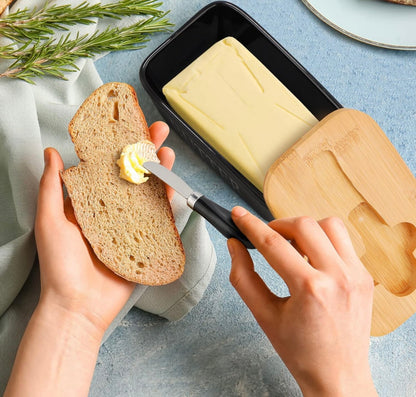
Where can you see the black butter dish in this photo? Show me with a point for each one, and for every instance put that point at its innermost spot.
(213, 23)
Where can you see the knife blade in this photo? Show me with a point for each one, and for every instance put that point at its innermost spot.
(218, 216)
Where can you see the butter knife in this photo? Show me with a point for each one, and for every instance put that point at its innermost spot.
(218, 216)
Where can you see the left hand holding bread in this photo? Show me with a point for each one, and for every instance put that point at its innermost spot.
(79, 295)
(71, 274)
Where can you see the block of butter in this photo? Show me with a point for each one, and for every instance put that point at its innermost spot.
(239, 107)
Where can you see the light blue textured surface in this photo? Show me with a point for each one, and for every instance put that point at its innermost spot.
(218, 349)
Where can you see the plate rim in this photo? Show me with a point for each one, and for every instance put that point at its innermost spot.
(355, 36)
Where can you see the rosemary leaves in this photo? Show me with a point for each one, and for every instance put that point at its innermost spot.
(37, 51)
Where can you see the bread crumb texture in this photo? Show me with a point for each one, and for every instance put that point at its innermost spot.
(130, 227)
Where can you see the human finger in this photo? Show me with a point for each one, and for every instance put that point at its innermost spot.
(249, 285)
(278, 252)
(338, 234)
(310, 238)
(50, 198)
(167, 158)
(69, 211)
(159, 131)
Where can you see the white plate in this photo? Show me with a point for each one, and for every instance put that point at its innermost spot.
(374, 22)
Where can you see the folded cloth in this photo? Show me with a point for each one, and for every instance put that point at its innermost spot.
(33, 117)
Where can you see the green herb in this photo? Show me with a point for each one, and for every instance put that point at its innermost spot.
(40, 53)
(39, 23)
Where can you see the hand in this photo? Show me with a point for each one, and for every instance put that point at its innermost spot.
(79, 295)
(322, 330)
(71, 275)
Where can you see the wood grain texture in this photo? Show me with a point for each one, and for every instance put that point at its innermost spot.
(346, 167)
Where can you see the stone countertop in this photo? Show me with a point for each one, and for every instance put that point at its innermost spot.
(218, 349)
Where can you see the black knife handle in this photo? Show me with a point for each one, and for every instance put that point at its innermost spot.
(220, 218)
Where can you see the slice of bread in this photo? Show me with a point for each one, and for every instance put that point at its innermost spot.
(130, 227)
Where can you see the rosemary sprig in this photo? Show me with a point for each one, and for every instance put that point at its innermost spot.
(38, 24)
(54, 57)
(37, 51)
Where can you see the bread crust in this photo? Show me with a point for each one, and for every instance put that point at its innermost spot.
(4, 4)
(130, 227)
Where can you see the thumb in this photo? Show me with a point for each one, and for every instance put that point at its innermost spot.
(51, 197)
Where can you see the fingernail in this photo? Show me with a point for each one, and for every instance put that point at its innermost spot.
(239, 211)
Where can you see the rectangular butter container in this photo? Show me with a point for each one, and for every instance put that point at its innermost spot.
(211, 24)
